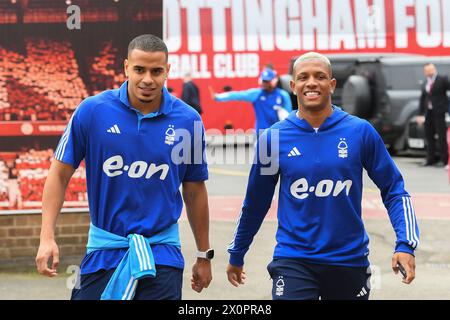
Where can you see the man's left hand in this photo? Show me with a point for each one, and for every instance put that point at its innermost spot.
(201, 274)
(409, 264)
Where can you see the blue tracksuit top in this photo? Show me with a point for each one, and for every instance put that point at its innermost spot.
(264, 103)
(133, 182)
(319, 203)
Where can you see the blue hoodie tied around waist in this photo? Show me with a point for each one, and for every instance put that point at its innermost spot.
(138, 261)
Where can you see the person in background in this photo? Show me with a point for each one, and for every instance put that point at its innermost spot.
(271, 104)
(432, 108)
(190, 93)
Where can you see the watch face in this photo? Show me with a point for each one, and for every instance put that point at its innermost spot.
(210, 254)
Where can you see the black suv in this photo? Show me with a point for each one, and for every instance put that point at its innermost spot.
(385, 90)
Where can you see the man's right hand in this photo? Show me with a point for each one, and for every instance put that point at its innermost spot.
(236, 275)
(47, 249)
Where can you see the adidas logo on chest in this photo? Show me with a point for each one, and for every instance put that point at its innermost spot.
(114, 129)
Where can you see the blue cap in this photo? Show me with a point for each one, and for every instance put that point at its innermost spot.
(268, 74)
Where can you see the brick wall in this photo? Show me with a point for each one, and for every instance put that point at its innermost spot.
(19, 239)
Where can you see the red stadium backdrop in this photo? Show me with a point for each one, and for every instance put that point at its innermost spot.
(53, 54)
(227, 42)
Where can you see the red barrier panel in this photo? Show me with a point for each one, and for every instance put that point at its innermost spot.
(25, 128)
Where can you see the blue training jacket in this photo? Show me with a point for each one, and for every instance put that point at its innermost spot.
(319, 203)
(133, 181)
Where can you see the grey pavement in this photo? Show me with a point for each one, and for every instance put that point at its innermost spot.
(432, 259)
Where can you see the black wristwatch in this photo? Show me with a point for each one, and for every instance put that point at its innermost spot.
(208, 254)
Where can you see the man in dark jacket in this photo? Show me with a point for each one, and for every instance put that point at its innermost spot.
(191, 94)
(433, 106)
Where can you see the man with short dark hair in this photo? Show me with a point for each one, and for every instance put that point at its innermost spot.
(433, 106)
(320, 152)
(127, 138)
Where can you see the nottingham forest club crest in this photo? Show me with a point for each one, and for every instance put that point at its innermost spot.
(342, 148)
(170, 135)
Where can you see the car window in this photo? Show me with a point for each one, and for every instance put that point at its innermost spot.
(409, 76)
(403, 77)
(443, 69)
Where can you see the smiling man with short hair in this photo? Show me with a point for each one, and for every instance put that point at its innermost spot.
(321, 151)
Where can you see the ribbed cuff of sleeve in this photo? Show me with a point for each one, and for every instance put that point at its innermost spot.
(236, 260)
(403, 247)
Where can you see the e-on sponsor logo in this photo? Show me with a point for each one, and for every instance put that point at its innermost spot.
(114, 167)
(300, 188)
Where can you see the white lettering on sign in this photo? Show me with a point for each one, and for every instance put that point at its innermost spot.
(446, 21)
(227, 65)
(239, 65)
(51, 128)
(370, 24)
(403, 22)
(288, 25)
(342, 32)
(315, 27)
(429, 37)
(219, 28)
(195, 64)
